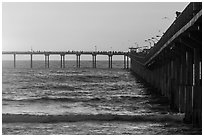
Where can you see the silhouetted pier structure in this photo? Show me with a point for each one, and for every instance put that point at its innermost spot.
(78, 54)
(173, 65)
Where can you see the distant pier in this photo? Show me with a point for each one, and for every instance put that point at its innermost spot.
(78, 54)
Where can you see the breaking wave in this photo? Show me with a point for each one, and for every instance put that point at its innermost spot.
(61, 99)
(29, 118)
(76, 99)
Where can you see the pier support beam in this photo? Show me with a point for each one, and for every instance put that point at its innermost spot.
(197, 88)
(47, 65)
(31, 60)
(78, 60)
(60, 61)
(45, 61)
(110, 61)
(176, 98)
(48, 61)
(124, 61)
(94, 60)
(127, 62)
(62, 64)
(189, 85)
(14, 60)
(182, 79)
(64, 61)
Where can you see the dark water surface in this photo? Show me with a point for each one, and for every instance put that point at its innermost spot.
(82, 101)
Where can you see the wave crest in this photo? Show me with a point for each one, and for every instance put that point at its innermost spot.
(28, 118)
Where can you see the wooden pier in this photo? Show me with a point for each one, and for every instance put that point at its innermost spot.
(78, 54)
(173, 65)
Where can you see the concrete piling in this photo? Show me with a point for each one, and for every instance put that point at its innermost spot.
(78, 60)
(31, 60)
(14, 60)
(127, 62)
(62, 61)
(94, 60)
(47, 60)
(124, 61)
(110, 61)
(197, 94)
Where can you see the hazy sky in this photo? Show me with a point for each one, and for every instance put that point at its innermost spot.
(82, 26)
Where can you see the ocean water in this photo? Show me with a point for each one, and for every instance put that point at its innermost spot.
(83, 101)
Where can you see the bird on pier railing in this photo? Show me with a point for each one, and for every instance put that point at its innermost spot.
(152, 41)
(149, 43)
(155, 38)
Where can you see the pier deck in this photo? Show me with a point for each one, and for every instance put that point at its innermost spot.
(62, 54)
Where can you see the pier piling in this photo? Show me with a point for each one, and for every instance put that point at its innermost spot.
(14, 60)
(110, 60)
(94, 60)
(62, 61)
(48, 61)
(78, 60)
(31, 60)
(127, 62)
(47, 65)
(124, 61)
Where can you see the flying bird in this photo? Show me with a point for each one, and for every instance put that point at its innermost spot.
(165, 18)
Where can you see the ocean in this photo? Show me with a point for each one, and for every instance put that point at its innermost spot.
(83, 101)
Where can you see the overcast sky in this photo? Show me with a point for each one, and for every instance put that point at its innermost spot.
(82, 26)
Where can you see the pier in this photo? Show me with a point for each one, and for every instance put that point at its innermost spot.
(173, 65)
(62, 55)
